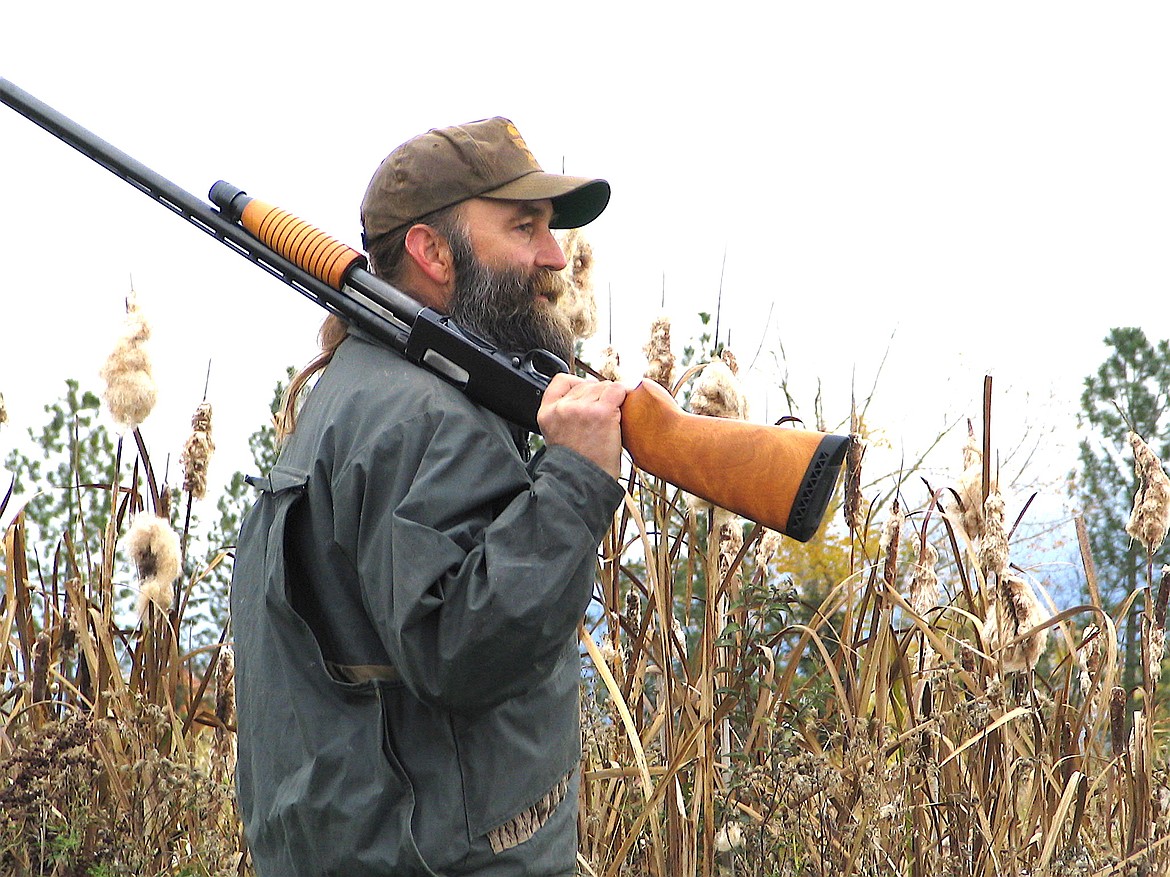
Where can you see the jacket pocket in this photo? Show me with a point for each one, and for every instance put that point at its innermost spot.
(322, 789)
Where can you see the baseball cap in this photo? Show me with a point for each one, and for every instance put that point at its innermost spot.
(484, 159)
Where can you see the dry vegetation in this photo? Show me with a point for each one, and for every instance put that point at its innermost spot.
(893, 698)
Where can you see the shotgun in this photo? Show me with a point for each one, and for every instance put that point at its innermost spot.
(780, 477)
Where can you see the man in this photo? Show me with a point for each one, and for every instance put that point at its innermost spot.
(408, 585)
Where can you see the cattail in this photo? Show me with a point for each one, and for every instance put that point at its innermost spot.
(154, 548)
(993, 547)
(728, 838)
(890, 538)
(1162, 598)
(1117, 733)
(718, 393)
(40, 675)
(3, 411)
(197, 452)
(610, 364)
(1151, 507)
(659, 357)
(768, 547)
(225, 689)
(729, 360)
(130, 389)
(1089, 657)
(730, 543)
(970, 489)
(852, 507)
(1015, 611)
(1157, 625)
(576, 300)
(924, 589)
(1156, 643)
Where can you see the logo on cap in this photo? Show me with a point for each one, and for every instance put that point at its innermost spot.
(522, 146)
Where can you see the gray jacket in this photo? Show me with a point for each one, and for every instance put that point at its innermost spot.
(405, 599)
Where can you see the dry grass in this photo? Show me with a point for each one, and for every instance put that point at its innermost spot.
(736, 720)
(737, 728)
(115, 757)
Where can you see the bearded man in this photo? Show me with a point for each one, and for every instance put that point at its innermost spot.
(409, 582)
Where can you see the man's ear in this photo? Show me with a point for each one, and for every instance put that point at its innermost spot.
(431, 254)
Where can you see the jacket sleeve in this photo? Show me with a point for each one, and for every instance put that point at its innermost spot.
(475, 571)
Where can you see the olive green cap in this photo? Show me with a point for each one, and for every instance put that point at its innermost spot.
(484, 159)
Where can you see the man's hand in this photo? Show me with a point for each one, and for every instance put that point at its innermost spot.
(584, 415)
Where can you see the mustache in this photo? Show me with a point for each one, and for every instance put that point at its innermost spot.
(549, 284)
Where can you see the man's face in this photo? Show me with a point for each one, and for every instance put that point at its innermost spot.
(507, 278)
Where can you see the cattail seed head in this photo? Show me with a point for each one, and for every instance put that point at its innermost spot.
(924, 590)
(993, 546)
(718, 393)
(1151, 506)
(1089, 657)
(728, 838)
(1117, 733)
(659, 356)
(225, 688)
(890, 539)
(576, 300)
(853, 507)
(154, 548)
(730, 544)
(768, 547)
(1156, 643)
(1015, 612)
(130, 389)
(969, 490)
(610, 364)
(197, 452)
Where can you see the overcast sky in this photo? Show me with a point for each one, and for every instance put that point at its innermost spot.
(956, 189)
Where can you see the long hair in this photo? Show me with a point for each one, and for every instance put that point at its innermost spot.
(387, 260)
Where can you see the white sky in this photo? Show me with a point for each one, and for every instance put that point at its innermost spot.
(976, 188)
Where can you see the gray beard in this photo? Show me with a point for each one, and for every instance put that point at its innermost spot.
(502, 305)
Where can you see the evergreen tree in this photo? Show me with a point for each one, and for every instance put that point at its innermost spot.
(69, 476)
(1130, 392)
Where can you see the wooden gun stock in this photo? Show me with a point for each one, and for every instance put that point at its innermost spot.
(780, 477)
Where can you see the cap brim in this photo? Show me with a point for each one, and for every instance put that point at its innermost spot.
(576, 201)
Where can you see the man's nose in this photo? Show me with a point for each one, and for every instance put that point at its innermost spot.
(550, 255)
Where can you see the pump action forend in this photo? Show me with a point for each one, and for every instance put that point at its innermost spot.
(781, 477)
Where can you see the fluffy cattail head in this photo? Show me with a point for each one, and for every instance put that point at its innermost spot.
(853, 507)
(610, 364)
(225, 689)
(719, 393)
(576, 300)
(1151, 506)
(1016, 611)
(197, 452)
(659, 356)
(993, 547)
(924, 590)
(969, 514)
(890, 539)
(1089, 657)
(154, 548)
(130, 389)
